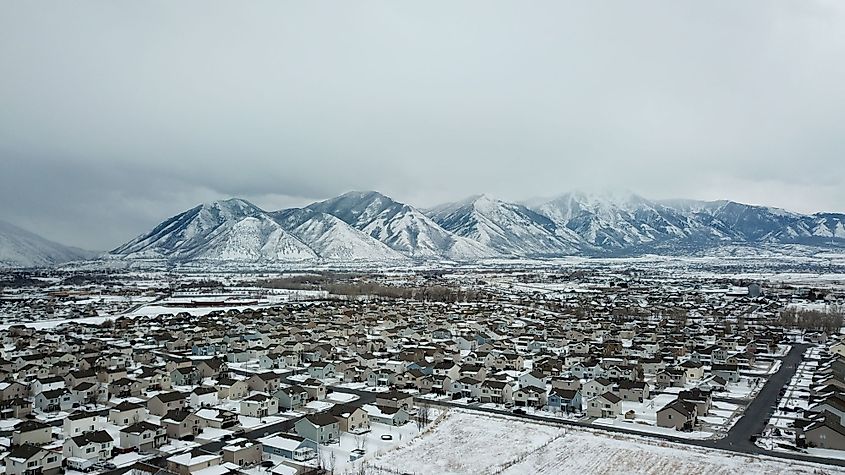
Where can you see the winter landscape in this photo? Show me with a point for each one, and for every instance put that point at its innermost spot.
(422, 238)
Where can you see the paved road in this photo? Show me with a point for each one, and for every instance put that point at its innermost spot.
(758, 412)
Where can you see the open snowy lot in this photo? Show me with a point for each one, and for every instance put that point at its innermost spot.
(463, 442)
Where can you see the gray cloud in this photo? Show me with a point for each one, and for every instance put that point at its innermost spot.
(115, 116)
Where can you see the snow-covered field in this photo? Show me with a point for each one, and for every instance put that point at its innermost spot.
(470, 443)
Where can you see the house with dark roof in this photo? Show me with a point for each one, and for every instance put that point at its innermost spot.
(142, 436)
(350, 418)
(161, 404)
(89, 446)
(32, 432)
(54, 400)
(267, 382)
(259, 405)
(291, 397)
(79, 423)
(321, 428)
(31, 459)
(604, 405)
(127, 413)
(827, 432)
(678, 414)
(564, 400)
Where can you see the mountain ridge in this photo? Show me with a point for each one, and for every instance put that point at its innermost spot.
(22, 248)
(368, 226)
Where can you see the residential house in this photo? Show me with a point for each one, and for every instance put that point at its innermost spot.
(395, 399)
(161, 404)
(193, 461)
(728, 372)
(289, 446)
(678, 414)
(95, 445)
(142, 436)
(259, 405)
(565, 400)
(351, 419)
(32, 432)
(387, 415)
(127, 413)
(605, 405)
(291, 397)
(32, 460)
(203, 396)
(243, 452)
(228, 388)
(321, 428)
(79, 423)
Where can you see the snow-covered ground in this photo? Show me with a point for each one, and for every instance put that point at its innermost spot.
(471, 443)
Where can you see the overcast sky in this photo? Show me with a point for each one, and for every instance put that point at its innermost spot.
(117, 115)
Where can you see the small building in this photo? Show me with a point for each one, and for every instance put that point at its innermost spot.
(396, 399)
(826, 433)
(203, 396)
(728, 372)
(387, 415)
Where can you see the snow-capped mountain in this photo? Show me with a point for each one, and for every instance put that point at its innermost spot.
(236, 230)
(369, 226)
(748, 223)
(331, 238)
(21, 248)
(401, 227)
(230, 230)
(627, 223)
(507, 228)
(617, 221)
(252, 239)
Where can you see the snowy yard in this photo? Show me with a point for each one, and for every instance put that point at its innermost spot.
(469, 443)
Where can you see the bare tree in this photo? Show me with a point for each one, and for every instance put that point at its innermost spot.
(423, 416)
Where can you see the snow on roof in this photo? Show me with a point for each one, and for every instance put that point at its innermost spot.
(287, 443)
(189, 459)
(283, 469)
(342, 397)
(207, 413)
(213, 470)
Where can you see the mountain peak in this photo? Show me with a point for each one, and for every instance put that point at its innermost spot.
(362, 195)
(230, 204)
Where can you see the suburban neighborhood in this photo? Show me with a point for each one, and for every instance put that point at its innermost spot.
(315, 384)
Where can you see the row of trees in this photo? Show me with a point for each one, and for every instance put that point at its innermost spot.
(828, 320)
(336, 284)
